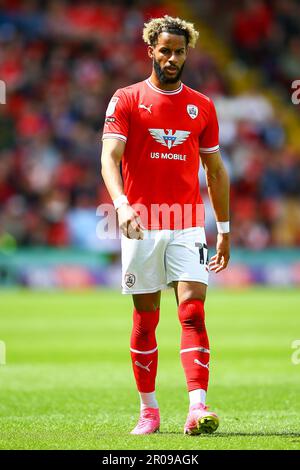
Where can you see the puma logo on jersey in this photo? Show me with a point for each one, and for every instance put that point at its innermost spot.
(201, 364)
(168, 139)
(137, 363)
(148, 108)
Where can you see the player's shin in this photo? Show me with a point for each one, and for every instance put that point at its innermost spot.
(144, 355)
(194, 350)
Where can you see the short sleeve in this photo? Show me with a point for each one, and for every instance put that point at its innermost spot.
(117, 117)
(209, 138)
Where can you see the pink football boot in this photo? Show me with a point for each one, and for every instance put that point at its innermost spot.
(148, 423)
(200, 420)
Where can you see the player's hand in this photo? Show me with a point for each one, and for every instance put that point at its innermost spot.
(220, 261)
(130, 222)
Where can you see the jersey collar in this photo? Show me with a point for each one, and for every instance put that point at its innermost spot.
(164, 92)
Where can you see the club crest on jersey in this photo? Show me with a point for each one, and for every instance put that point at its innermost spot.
(129, 279)
(168, 139)
(192, 110)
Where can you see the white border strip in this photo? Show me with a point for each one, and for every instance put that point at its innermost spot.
(195, 349)
(111, 135)
(144, 352)
(209, 149)
(164, 92)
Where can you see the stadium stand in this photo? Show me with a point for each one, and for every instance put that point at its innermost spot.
(62, 61)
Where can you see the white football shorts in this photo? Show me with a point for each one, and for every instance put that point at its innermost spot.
(163, 256)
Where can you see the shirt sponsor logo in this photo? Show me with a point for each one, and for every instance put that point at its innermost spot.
(168, 156)
(110, 119)
(192, 110)
(168, 139)
(112, 106)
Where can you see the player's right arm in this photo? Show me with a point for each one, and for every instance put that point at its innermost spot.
(112, 152)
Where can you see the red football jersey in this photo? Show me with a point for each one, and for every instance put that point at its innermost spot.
(164, 132)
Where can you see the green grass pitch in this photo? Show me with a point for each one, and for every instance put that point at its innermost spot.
(67, 382)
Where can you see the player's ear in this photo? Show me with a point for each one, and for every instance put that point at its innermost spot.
(150, 52)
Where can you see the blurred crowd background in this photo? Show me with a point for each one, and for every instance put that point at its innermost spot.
(61, 62)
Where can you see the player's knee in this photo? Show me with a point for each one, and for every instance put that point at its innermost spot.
(148, 307)
(189, 295)
(145, 323)
(146, 303)
(191, 315)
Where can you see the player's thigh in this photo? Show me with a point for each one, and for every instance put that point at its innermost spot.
(143, 270)
(187, 290)
(147, 302)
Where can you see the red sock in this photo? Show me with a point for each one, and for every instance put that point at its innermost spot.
(143, 349)
(194, 344)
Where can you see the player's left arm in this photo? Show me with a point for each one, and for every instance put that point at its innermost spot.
(218, 190)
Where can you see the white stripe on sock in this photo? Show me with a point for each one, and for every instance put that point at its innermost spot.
(195, 349)
(143, 352)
